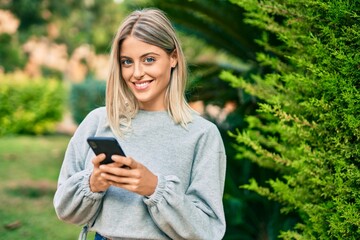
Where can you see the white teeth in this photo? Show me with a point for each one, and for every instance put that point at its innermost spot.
(141, 85)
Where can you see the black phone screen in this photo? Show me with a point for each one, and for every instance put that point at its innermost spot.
(107, 145)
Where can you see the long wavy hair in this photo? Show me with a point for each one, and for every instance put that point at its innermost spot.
(153, 27)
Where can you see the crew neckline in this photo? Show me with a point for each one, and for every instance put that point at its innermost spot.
(154, 112)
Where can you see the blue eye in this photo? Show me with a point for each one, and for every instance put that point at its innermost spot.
(149, 60)
(126, 62)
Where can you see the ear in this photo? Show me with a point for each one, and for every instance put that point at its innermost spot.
(173, 59)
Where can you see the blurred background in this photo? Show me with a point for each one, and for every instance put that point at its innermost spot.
(53, 68)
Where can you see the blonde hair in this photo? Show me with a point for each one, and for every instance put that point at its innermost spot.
(153, 27)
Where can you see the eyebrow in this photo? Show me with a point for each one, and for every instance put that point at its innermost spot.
(145, 54)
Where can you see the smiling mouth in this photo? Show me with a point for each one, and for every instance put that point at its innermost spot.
(142, 85)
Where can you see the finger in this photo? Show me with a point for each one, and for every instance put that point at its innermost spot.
(97, 159)
(128, 161)
(118, 159)
(115, 171)
(119, 180)
(115, 165)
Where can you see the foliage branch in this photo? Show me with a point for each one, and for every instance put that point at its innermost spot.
(307, 127)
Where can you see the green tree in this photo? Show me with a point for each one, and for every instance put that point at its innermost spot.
(307, 128)
(11, 57)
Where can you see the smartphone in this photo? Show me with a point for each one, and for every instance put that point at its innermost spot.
(107, 145)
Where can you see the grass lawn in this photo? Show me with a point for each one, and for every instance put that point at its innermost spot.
(29, 167)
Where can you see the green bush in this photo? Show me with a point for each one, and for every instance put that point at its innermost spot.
(11, 55)
(30, 106)
(308, 124)
(86, 96)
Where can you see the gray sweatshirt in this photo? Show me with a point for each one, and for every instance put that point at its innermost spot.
(190, 165)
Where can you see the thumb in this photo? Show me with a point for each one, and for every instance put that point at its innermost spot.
(98, 159)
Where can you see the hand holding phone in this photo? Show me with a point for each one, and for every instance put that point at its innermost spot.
(107, 145)
(123, 179)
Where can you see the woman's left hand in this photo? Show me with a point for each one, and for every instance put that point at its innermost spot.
(135, 177)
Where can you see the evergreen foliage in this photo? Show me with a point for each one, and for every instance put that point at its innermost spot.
(30, 106)
(308, 125)
(86, 96)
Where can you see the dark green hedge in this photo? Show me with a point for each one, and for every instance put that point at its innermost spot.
(86, 96)
(30, 106)
(308, 126)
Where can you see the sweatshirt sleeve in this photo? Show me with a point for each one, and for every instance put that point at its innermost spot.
(197, 213)
(74, 202)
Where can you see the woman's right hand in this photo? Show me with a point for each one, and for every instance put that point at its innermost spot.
(98, 183)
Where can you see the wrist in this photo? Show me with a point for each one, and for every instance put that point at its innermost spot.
(153, 187)
(92, 185)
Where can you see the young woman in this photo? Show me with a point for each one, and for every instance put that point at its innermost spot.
(172, 185)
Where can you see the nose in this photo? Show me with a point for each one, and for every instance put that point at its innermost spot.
(138, 71)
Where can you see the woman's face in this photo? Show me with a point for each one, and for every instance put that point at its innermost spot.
(146, 70)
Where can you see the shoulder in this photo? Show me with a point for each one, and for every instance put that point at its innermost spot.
(92, 122)
(200, 123)
(209, 139)
(99, 112)
(95, 116)
(205, 129)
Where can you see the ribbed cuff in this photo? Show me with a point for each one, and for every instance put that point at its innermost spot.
(154, 198)
(85, 186)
